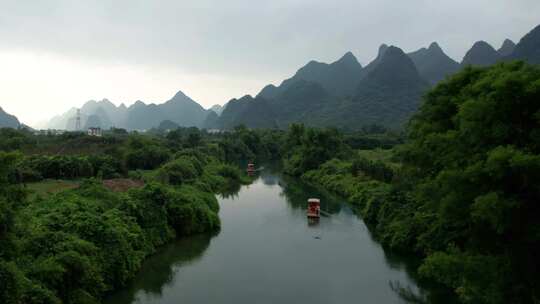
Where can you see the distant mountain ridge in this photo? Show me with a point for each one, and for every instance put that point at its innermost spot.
(180, 109)
(528, 48)
(433, 64)
(507, 48)
(388, 95)
(217, 108)
(481, 54)
(339, 78)
(391, 92)
(311, 97)
(391, 85)
(380, 53)
(254, 112)
(8, 120)
(387, 91)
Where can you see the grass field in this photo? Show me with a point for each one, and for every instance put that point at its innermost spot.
(50, 186)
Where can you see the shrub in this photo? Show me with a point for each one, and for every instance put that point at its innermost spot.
(180, 171)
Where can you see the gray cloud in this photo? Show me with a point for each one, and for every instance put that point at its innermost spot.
(247, 36)
(265, 41)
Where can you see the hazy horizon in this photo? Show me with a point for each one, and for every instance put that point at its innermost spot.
(55, 56)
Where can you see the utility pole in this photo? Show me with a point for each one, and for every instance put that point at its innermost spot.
(78, 121)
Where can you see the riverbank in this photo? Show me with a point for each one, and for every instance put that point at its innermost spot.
(79, 244)
(365, 184)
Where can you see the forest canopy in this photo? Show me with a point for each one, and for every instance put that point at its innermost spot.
(474, 149)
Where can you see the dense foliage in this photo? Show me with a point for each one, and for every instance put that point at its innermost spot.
(475, 153)
(307, 148)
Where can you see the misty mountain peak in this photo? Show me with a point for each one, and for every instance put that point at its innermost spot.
(311, 64)
(339, 78)
(507, 47)
(8, 120)
(394, 55)
(395, 68)
(382, 48)
(481, 54)
(433, 64)
(269, 91)
(349, 54)
(348, 59)
(217, 108)
(482, 46)
(528, 48)
(107, 104)
(269, 87)
(434, 47)
(393, 52)
(180, 95)
(393, 83)
(245, 97)
(180, 99)
(139, 103)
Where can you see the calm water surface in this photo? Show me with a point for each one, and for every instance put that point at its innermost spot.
(267, 252)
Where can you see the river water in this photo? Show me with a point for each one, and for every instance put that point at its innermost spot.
(268, 252)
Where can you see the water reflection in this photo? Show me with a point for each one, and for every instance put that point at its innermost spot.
(230, 191)
(408, 295)
(313, 221)
(296, 193)
(158, 270)
(269, 178)
(427, 293)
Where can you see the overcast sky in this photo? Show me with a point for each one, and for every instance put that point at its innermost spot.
(58, 54)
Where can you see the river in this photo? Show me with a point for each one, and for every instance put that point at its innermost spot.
(267, 252)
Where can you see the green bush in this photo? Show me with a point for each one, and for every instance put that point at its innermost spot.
(475, 278)
(146, 157)
(180, 171)
(307, 149)
(37, 167)
(10, 283)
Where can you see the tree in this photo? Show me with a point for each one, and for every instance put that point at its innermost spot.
(310, 148)
(474, 148)
(193, 139)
